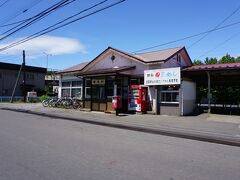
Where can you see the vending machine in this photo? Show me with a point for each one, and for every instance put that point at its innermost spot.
(138, 98)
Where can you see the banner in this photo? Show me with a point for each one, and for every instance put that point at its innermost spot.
(167, 76)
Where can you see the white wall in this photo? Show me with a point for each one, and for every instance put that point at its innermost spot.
(187, 97)
(105, 62)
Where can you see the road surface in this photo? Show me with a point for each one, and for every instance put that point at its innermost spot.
(39, 148)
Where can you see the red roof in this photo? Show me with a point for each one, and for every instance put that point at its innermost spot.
(213, 67)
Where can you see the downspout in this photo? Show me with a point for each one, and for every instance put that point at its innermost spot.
(182, 98)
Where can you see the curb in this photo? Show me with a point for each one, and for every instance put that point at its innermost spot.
(193, 135)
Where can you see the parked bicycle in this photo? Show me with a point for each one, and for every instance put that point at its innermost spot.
(62, 102)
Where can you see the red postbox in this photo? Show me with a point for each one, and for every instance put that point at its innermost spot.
(117, 102)
(138, 98)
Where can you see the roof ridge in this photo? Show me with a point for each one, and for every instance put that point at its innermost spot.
(159, 50)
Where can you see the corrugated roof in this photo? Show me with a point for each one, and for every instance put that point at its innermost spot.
(160, 55)
(213, 67)
(77, 67)
(10, 66)
(153, 56)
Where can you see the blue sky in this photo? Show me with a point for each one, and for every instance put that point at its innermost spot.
(129, 26)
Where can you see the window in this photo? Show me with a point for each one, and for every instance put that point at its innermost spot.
(65, 92)
(88, 88)
(72, 89)
(170, 94)
(110, 81)
(66, 84)
(88, 82)
(76, 93)
(30, 76)
(76, 83)
(87, 92)
(169, 97)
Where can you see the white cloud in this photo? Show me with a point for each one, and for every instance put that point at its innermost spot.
(48, 44)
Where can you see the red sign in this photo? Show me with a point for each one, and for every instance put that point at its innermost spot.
(157, 74)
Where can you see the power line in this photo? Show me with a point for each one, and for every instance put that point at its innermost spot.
(35, 18)
(219, 45)
(4, 3)
(24, 20)
(22, 11)
(188, 37)
(52, 28)
(218, 25)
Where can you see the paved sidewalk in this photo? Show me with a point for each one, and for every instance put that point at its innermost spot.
(211, 128)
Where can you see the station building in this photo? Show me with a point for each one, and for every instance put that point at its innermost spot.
(168, 75)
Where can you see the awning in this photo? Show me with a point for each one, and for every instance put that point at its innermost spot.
(107, 71)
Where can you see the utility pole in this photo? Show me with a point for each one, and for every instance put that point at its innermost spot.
(24, 77)
(24, 80)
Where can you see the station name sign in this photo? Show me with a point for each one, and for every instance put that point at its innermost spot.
(167, 76)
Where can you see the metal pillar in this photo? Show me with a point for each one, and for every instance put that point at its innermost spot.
(24, 77)
(209, 96)
(16, 83)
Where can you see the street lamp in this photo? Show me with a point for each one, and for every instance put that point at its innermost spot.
(47, 55)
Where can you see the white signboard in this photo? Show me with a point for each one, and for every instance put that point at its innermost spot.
(167, 76)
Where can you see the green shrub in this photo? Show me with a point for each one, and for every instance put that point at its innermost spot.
(44, 97)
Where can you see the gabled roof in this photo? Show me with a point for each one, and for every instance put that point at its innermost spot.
(160, 55)
(148, 57)
(213, 67)
(74, 68)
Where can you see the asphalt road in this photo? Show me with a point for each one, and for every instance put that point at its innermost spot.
(39, 148)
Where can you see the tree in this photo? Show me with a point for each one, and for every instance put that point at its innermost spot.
(237, 59)
(211, 61)
(197, 62)
(227, 59)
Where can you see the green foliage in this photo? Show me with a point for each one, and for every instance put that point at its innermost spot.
(49, 90)
(197, 62)
(237, 59)
(44, 97)
(227, 59)
(211, 60)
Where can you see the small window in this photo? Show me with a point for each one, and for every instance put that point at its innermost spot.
(88, 82)
(30, 76)
(169, 94)
(77, 93)
(87, 92)
(65, 92)
(76, 83)
(66, 84)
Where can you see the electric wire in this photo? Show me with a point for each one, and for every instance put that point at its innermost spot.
(22, 11)
(35, 18)
(187, 37)
(218, 25)
(219, 45)
(4, 3)
(60, 25)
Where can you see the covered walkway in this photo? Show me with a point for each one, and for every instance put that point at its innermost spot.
(218, 87)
